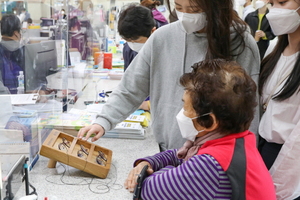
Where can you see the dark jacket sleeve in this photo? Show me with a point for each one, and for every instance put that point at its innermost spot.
(252, 21)
(128, 55)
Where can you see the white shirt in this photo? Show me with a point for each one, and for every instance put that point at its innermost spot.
(281, 124)
(247, 10)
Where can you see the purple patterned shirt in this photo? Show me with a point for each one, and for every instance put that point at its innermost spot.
(200, 178)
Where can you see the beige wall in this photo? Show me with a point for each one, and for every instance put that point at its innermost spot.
(38, 10)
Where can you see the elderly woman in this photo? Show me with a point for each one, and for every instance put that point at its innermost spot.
(219, 160)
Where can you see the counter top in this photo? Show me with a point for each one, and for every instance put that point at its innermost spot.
(65, 182)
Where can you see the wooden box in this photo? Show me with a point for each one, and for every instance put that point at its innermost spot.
(82, 155)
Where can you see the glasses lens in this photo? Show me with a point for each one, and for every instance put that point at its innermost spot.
(100, 161)
(61, 146)
(102, 155)
(85, 150)
(66, 142)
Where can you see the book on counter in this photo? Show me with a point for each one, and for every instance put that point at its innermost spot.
(130, 130)
(131, 127)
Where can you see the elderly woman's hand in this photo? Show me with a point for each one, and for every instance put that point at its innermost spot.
(131, 180)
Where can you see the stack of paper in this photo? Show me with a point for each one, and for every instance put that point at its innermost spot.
(130, 130)
(20, 99)
(68, 122)
(135, 118)
(71, 122)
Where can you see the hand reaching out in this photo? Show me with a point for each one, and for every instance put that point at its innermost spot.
(94, 130)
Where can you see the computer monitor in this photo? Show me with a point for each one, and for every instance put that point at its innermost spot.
(47, 22)
(40, 62)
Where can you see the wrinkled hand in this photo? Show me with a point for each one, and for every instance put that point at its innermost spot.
(131, 180)
(86, 132)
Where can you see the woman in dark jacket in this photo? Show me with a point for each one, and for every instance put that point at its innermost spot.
(260, 28)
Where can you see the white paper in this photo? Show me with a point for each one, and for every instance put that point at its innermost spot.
(6, 111)
(20, 99)
(7, 135)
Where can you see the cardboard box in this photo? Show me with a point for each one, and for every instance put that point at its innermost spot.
(82, 155)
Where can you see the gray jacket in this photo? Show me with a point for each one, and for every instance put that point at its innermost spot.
(155, 72)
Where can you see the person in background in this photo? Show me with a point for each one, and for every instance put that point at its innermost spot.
(260, 26)
(279, 86)
(158, 16)
(74, 24)
(12, 60)
(112, 17)
(24, 15)
(14, 11)
(135, 25)
(248, 8)
(11, 52)
(220, 159)
(170, 52)
(62, 14)
(29, 21)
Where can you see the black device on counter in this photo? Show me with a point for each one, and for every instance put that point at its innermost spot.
(15, 178)
(138, 187)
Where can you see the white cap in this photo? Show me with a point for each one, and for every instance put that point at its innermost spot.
(20, 72)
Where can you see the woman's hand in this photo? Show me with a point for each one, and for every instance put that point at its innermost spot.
(94, 130)
(131, 180)
(259, 34)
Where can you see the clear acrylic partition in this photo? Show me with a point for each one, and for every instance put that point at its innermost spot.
(55, 63)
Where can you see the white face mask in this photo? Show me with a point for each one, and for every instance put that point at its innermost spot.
(135, 46)
(241, 2)
(283, 21)
(259, 4)
(192, 22)
(186, 126)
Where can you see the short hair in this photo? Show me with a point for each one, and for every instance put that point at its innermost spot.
(224, 89)
(135, 21)
(29, 20)
(9, 24)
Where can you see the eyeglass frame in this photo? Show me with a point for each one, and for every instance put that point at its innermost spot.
(66, 143)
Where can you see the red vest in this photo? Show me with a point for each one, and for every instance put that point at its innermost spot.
(240, 159)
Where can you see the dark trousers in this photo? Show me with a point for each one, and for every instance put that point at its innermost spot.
(269, 152)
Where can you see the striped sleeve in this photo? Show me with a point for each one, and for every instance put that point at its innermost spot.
(201, 177)
(162, 159)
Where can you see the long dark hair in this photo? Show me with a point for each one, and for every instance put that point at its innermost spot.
(221, 17)
(268, 64)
